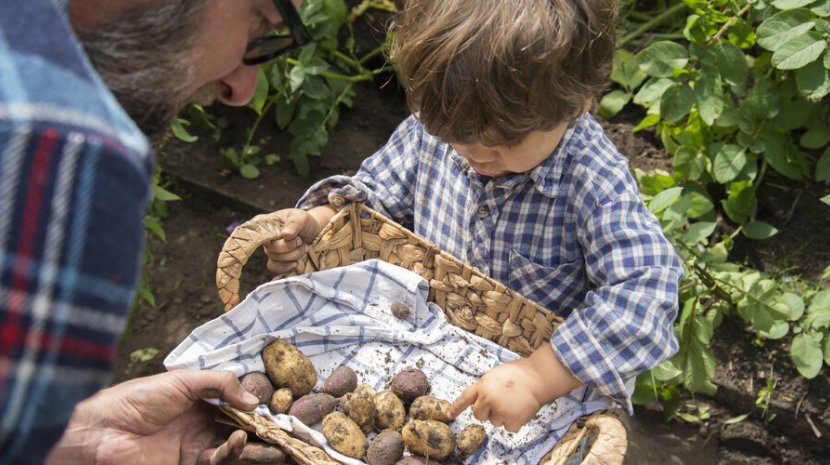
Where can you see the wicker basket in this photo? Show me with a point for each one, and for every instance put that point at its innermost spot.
(469, 299)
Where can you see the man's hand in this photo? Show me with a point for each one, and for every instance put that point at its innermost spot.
(511, 394)
(161, 420)
(299, 228)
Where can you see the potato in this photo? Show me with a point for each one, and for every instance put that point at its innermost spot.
(258, 384)
(363, 387)
(281, 400)
(409, 384)
(430, 408)
(429, 438)
(470, 439)
(311, 408)
(342, 380)
(414, 460)
(389, 411)
(288, 367)
(385, 449)
(400, 311)
(360, 407)
(344, 435)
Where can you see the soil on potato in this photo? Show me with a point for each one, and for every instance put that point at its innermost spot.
(795, 428)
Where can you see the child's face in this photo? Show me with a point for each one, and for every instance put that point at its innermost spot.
(499, 160)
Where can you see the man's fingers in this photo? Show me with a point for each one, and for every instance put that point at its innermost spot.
(210, 384)
(463, 401)
(262, 454)
(229, 452)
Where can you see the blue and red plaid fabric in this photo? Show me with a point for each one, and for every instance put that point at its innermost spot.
(74, 183)
(572, 234)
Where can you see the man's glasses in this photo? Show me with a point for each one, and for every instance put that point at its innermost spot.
(272, 46)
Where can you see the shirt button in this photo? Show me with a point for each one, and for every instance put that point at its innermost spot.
(483, 211)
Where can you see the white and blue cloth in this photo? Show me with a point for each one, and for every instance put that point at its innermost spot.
(342, 316)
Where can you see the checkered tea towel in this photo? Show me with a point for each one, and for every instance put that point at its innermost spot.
(342, 316)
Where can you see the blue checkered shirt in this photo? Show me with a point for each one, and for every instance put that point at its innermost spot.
(75, 178)
(572, 234)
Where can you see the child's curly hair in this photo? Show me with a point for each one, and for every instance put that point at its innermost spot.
(492, 71)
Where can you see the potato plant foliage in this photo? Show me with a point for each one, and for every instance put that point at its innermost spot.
(739, 89)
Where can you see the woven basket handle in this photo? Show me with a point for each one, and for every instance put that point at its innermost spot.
(242, 243)
(609, 447)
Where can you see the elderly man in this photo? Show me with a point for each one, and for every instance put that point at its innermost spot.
(85, 89)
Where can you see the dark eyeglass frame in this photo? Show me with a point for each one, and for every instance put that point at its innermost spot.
(296, 31)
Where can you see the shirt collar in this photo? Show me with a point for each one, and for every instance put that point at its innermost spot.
(547, 175)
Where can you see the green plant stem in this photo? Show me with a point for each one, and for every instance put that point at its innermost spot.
(254, 127)
(653, 23)
(371, 54)
(638, 16)
(728, 23)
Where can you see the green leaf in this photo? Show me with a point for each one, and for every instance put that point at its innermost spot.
(613, 102)
(778, 330)
(784, 156)
(180, 132)
(260, 92)
(821, 9)
(160, 193)
(826, 344)
(806, 353)
(143, 355)
(660, 59)
(820, 302)
(699, 369)
(816, 136)
(709, 95)
(154, 226)
(731, 62)
(701, 204)
(315, 66)
(759, 230)
(715, 254)
(296, 77)
(729, 161)
(823, 166)
(664, 199)
(647, 122)
(813, 81)
(795, 305)
(776, 30)
(698, 232)
(740, 203)
(626, 70)
(652, 91)
(666, 371)
(798, 52)
(272, 159)
(249, 171)
(791, 4)
(826, 199)
(737, 419)
(676, 103)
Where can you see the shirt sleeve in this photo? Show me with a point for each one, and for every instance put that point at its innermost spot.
(71, 240)
(625, 324)
(385, 181)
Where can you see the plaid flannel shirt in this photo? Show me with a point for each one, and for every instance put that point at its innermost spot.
(572, 234)
(74, 183)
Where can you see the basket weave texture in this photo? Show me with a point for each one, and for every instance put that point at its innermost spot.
(469, 299)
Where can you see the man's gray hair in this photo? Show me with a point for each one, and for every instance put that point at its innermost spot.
(145, 57)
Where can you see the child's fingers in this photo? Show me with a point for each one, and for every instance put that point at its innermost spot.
(277, 248)
(280, 267)
(463, 401)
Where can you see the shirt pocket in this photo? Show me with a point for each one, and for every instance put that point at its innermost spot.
(555, 287)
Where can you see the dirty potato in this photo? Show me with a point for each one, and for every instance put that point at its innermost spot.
(281, 400)
(430, 408)
(429, 438)
(344, 435)
(288, 367)
(470, 439)
(414, 460)
(342, 380)
(409, 384)
(360, 407)
(389, 411)
(258, 384)
(385, 449)
(311, 408)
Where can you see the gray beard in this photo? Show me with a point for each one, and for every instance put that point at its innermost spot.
(143, 58)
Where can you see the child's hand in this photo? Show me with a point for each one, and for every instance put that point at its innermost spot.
(298, 230)
(511, 394)
(504, 396)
